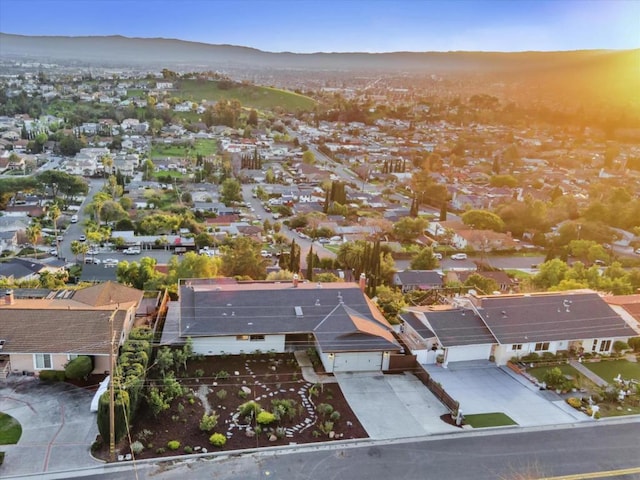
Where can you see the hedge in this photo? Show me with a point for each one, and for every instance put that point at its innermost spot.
(79, 367)
(52, 375)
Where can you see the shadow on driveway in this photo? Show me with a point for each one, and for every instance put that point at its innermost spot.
(57, 426)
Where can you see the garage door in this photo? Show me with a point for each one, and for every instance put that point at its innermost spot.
(470, 352)
(357, 362)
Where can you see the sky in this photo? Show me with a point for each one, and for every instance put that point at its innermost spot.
(305, 26)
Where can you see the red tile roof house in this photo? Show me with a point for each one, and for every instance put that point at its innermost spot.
(506, 326)
(338, 319)
(45, 333)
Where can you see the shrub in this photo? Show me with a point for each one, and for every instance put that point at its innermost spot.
(634, 343)
(173, 444)
(265, 418)
(208, 422)
(160, 450)
(137, 447)
(574, 402)
(199, 373)
(79, 367)
(52, 375)
(188, 450)
(326, 427)
(324, 409)
(242, 394)
(221, 394)
(619, 346)
(554, 378)
(335, 416)
(222, 375)
(249, 408)
(217, 440)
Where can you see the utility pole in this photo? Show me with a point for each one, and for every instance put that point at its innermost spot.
(112, 406)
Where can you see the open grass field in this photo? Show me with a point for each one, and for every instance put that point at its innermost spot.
(10, 430)
(248, 95)
(484, 420)
(202, 147)
(608, 370)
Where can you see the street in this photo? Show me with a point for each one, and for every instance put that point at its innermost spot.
(496, 454)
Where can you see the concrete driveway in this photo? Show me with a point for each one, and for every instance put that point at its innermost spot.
(393, 406)
(487, 389)
(57, 427)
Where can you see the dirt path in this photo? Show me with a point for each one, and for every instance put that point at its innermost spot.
(202, 393)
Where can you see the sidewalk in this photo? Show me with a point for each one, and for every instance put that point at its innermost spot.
(588, 373)
(308, 373)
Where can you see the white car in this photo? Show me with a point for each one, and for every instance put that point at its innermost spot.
(438, 256)
(459, 256)
(74, 219)
(53, 252)
(131, 251)
(638, 251)
(110, 262)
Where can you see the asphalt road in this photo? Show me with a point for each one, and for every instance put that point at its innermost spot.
(483, 455)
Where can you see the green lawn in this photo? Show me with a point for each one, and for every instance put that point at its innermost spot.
(608, 370)
(248, 95)
(483, 420)
(539, 372)
(10, 430)
(202, 147)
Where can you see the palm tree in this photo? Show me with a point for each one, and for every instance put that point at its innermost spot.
(54, 214)
(33, 234)
(79, 248)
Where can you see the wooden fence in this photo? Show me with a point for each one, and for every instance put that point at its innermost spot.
(435, 388)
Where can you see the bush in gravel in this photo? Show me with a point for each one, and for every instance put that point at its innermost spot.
(217, 440)
(188, 450)
(173, 444)
(574, 402)
(137, 447)
(52, 375)
(221, 394)
(265, 418)
(208, 422)
(249, 408)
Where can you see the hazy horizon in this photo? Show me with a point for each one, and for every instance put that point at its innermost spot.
(374, 26)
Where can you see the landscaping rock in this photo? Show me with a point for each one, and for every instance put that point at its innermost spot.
(273, 438)
(332, 434)
(246, 390)
(250, 433)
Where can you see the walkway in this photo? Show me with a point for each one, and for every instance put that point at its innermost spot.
(308, 372)
(588, 373)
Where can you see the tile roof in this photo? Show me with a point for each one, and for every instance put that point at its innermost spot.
(108, 293)
(58, 330)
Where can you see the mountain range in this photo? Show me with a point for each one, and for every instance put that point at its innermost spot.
(119, 50)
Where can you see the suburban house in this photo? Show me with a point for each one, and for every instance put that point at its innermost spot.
(498, 328)
(22, 269)
(408, 280)
(226, 317)
(43, 330)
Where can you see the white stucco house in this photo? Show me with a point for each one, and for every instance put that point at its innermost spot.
(223, 316)
(502, 327)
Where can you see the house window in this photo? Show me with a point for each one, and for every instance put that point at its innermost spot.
(243, 338)
(594, 345)
(542, 347)
(43, 361)
(72, 356)
(256, 338)
(516, 346)
(605, 345)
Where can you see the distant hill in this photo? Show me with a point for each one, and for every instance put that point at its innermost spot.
(585, 77)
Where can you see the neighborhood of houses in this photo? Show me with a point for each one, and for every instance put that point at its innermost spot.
(43, 329)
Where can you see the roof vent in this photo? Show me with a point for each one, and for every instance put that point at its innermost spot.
(298, 311)
(317, 302)
(1, 344)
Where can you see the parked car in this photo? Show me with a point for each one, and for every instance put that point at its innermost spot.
(110, 262)
(438, 256)
(82, 238)
(132, 251)
(266, 254)
(638, 251)
(459, 256)
(74, 219)
(53, 252)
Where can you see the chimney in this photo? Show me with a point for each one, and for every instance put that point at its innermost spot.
(295, 280)
(363, 281)
(9, 299)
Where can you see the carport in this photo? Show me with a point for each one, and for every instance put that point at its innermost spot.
(482, 388)
(393, 406)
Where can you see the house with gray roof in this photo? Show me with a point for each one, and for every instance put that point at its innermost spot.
(501, 327)
(338, 319)
(408, 280)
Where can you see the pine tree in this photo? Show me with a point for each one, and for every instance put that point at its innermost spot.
(310, 264)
